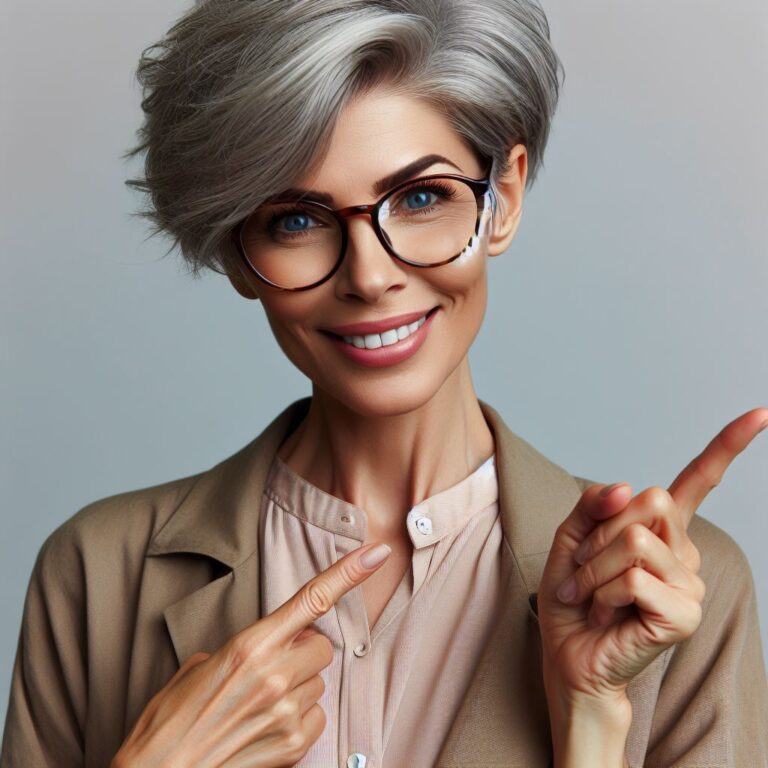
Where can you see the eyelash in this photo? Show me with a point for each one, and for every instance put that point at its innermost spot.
(435, 186)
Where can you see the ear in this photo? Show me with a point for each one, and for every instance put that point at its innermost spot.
(511, 189)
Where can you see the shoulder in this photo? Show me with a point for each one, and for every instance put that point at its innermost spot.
(109, 533)
(725, 569)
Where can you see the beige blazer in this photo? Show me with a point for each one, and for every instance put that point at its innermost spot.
(130, 586)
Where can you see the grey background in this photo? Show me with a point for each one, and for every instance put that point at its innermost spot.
(626, 324)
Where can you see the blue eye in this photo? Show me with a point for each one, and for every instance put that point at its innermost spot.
(298, 219)
(422, 195)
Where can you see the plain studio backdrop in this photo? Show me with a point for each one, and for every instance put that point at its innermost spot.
(626, 325)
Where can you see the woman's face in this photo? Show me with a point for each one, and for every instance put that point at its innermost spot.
(375, 136)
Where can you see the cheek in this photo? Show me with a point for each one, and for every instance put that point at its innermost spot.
(286, 315)
(464, 282)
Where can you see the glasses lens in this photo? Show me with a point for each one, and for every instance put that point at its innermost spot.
(297, 244)
(292, 244)
(430, 221)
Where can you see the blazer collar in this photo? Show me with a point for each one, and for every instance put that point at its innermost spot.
(219, 516)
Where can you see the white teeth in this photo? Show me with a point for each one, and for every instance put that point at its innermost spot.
(389, 337)
(392, 336)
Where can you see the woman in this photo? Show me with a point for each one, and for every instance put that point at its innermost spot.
(351, 166)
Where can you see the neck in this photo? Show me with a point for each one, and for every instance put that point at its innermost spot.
(387, 464)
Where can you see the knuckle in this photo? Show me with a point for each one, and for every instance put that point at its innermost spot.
(693, 556)
(635, 579)
(700, 588)
(694, 618)
(243, 648)
(316, 599)
(698, 613)
(351, 572)
(637, 538)
(658, 499)
(295, 745)
(285, 710)
(275, 685)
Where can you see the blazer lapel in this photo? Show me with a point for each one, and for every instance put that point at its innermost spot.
(503, 719)
(219, 519)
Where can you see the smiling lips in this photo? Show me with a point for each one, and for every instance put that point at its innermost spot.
(378, 326)
(384, 342)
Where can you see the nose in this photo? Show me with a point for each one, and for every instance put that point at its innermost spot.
(368, 270)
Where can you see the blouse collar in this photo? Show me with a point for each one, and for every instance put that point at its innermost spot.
(443, 513)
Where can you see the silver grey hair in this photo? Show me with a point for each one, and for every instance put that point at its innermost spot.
(240, 97)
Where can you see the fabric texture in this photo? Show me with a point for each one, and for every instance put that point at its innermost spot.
(429, 637)
(129, 587)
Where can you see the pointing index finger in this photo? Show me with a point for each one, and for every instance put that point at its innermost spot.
(706, 471)
(321, 593)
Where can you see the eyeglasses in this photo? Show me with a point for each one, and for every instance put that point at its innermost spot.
(295, 245)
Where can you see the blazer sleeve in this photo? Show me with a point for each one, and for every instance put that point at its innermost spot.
(712, 707)
(46, 709)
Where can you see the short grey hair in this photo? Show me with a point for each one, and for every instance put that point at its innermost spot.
(240, 97)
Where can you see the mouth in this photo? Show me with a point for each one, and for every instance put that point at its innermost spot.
(385, 338)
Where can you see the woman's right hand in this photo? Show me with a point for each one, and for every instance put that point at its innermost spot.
(252, 702)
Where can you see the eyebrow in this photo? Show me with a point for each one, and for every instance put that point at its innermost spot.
(379, 187)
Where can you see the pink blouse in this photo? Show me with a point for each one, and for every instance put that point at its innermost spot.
(392, 690)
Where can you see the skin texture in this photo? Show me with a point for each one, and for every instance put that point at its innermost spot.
(386, 438)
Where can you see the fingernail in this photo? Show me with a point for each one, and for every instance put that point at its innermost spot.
(567, 590)
(609, 488)
(374, 556)
(763, 426)
(580, 555)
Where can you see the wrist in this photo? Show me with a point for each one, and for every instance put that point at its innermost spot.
(587, 737)
(588, 730)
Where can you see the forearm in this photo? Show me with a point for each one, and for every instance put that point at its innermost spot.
(589, 734)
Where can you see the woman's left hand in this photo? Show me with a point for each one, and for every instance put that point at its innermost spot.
(637, 591)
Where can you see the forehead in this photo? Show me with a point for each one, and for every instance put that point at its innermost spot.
(379, 134)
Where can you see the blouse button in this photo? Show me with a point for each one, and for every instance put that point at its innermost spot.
(424, 525)
(356, 760)
(361, 650)
(346, 519)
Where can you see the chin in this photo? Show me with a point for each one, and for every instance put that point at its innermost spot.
(389, 396)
